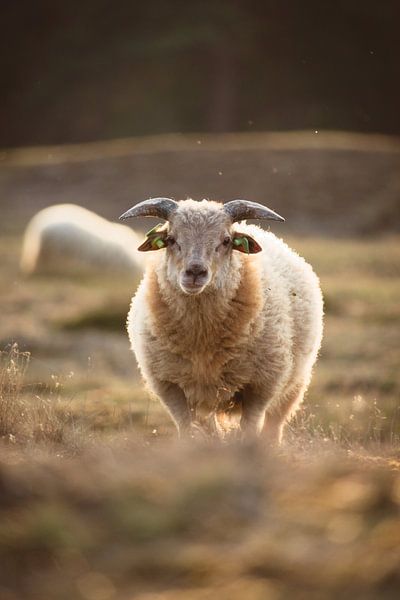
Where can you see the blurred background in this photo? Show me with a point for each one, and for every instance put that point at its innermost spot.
(292, 104)
(84, 71)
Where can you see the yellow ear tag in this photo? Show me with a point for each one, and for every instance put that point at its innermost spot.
(153, 230)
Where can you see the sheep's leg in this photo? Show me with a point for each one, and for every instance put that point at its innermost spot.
(175, 401)
(261, 416)
(280, 413)
(253, 411)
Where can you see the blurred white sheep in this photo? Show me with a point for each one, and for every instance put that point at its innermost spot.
(66, 238)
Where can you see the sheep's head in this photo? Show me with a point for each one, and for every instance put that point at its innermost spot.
(199, 237)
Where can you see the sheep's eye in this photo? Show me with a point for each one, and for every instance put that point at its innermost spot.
(225, 242)
(171, 241)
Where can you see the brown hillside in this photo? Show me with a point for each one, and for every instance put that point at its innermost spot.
(328, 183)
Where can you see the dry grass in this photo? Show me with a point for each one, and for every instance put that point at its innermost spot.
(109, 511)
(29, 419)
(48, 418)
(12, 370)
(128, 521)
(74, 329)
(98, 502)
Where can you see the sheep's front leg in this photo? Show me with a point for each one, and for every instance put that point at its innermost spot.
(175, 401)
(253, 411)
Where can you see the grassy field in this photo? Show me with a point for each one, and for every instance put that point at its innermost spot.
(99, 502)
(74, 330)
(98, 499)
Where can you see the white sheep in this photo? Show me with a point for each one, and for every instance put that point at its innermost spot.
(68, 238)
(216, 321)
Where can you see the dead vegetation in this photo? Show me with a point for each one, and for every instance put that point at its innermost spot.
(129, 521)
(31, 419)
(115, 512)
(99, 502)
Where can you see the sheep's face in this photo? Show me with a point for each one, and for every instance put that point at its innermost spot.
(199, 239)
(198, 248)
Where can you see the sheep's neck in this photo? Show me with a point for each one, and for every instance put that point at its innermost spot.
(214, 324)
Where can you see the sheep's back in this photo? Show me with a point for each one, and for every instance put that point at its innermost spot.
(69, 238)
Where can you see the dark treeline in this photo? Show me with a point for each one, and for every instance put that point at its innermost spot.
(97, 69)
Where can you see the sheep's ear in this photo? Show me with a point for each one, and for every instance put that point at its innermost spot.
(155, 239)
(245, 243)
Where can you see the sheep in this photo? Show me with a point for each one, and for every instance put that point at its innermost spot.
(227, 314)
(68, 238)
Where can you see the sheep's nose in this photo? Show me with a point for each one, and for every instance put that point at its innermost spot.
(196, 269)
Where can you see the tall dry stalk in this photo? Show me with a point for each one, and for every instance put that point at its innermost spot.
(13, 366)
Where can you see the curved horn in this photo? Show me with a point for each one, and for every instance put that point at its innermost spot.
(239, 210)
(154, 207)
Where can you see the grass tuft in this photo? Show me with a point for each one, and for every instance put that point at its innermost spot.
(26, 418)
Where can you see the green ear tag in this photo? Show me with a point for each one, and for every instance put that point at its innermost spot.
(158, 242)
(242, 241)
(153, 230)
